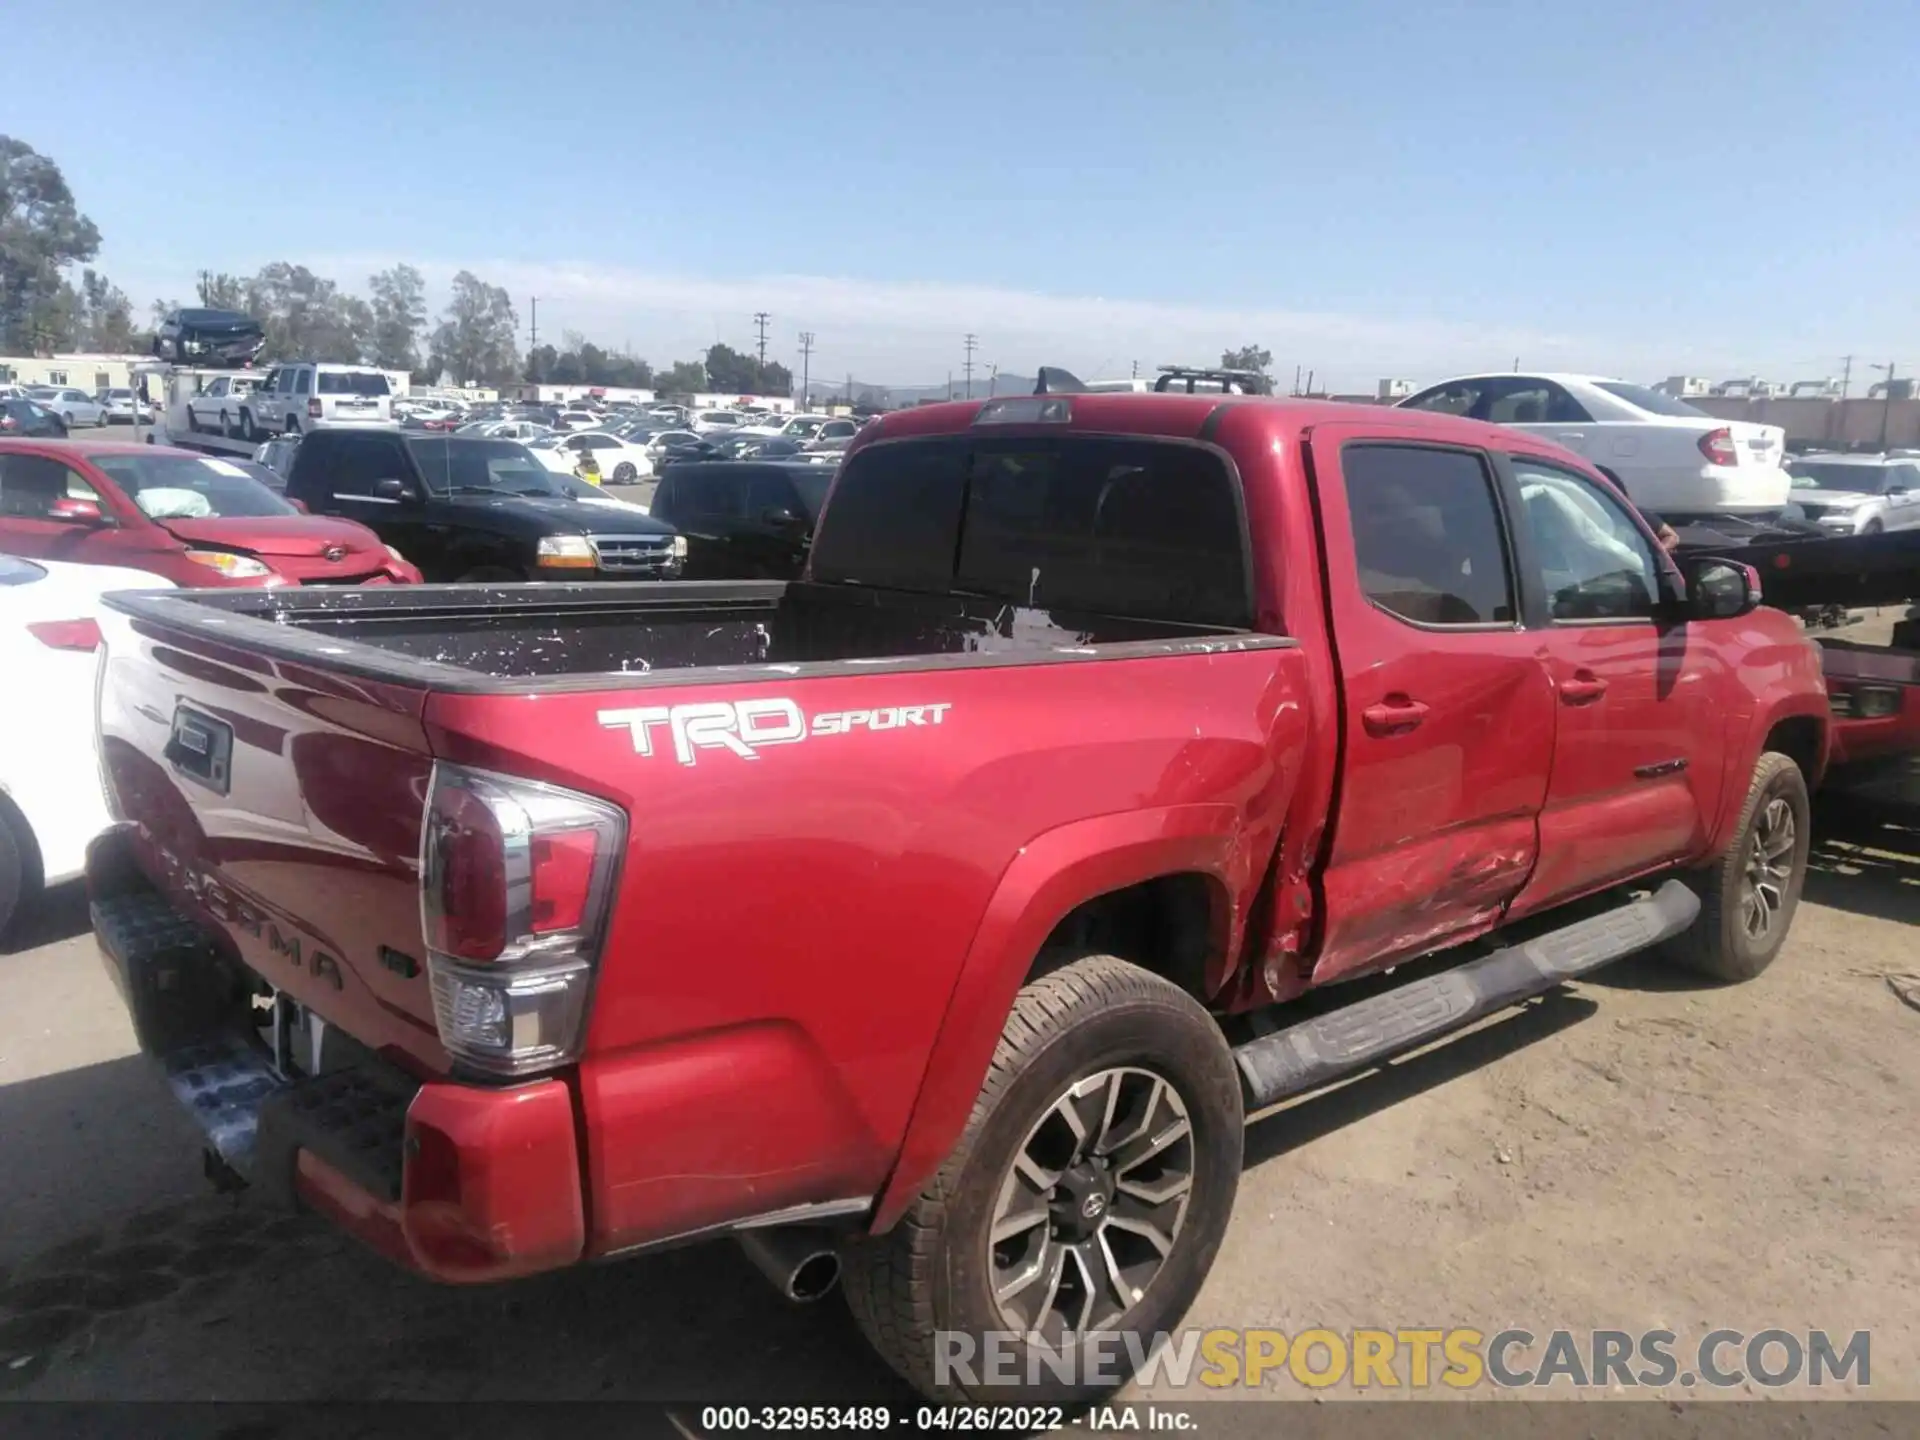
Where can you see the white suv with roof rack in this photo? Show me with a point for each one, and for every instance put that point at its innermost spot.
(306, 395)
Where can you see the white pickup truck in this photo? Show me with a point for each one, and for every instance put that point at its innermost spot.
(303, 395)
(217, 407)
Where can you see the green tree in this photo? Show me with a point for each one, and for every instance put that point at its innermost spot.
(41, 232)
(399, 316)
(305, 317)
(1247, 357)
(683, 377)
(478, 340)
(224, 292)
(105, 316)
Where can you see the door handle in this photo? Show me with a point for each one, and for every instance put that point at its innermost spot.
(1583, 689)
(1394, 715)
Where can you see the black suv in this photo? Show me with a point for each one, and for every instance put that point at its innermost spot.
(467, 508)
(743, 519)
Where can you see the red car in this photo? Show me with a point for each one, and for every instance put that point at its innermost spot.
(196, 519)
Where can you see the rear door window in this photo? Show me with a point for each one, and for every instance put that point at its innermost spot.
(1427, 536)
(769, 492)
(1136, 527)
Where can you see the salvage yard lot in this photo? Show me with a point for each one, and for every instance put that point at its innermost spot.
(1633, 1152)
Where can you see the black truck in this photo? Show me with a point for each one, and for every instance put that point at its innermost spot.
(471, 509)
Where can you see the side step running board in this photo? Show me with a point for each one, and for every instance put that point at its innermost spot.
(1316, 1052)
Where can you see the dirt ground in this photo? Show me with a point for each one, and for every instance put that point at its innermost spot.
(1635, 1152)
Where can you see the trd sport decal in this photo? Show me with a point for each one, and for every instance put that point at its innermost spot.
(747, 726)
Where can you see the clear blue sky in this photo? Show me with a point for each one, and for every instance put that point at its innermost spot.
(1372, 189)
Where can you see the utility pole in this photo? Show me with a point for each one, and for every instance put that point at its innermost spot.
(993, 380)
(760, 319)
(1886, 403)
(972, 344)
(1136, 370)
(1296, 379)
(806, 364)
(533, 337)
(1846, 374)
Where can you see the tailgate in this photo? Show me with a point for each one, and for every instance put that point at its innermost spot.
(281, 807)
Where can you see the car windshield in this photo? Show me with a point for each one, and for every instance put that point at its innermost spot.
(472, 467)
(1651, 401)
(352, 382)
(803, 429)
(1836, 475)
(19, 572)
(190, 487)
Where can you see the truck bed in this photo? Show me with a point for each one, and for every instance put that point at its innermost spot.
(502, 638)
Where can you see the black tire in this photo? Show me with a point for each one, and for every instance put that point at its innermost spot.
(19, 870)
(193, 422)
(293, 427)
(932, 1271)
(1872, 527)
(495, 574)
(248, 430)
(625, 473)
(1722, 944)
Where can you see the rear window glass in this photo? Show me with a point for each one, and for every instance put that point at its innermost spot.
(1654, 402)
(1111, 526)
(335, 382)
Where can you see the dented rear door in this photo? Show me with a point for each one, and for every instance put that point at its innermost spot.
(1447, 710)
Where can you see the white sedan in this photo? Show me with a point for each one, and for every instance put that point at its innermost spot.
(49, 762)
(76, 407)
(1679, 462)
(621, 461)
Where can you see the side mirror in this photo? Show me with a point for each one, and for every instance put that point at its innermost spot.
(1896, 489)
(393, 490)
(1720, 589)
(779, 517)
(76, 512)
(301, 506)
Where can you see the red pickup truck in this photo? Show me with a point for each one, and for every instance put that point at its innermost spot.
(932, 920)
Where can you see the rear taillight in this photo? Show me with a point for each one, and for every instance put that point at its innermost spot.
(314, 412)
(516, 878)
(66, 634)
(1718, 447)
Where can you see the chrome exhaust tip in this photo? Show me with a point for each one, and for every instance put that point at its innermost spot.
(802, 1262)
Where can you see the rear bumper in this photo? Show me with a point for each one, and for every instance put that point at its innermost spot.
(460, 1183)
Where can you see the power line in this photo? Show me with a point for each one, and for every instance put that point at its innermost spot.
(806, 363)
(760, 319)
(972, 344)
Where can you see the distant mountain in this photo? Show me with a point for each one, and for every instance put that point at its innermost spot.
(895, 396)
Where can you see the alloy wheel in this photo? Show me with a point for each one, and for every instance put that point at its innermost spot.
(1092, 1205)
(1763, 892)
